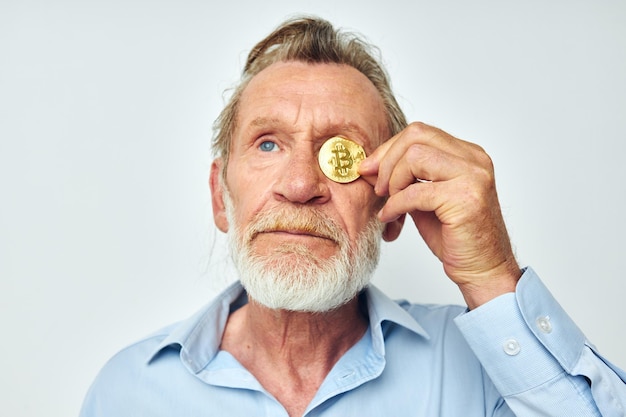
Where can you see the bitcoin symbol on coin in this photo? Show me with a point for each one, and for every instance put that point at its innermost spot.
(339, 159)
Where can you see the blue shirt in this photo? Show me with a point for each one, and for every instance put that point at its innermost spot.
(518, 355)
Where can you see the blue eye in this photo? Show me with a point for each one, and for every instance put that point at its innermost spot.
(268, 146)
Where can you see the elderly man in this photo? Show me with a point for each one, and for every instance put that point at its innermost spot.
(302, 333)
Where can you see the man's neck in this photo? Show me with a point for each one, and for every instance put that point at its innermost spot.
(290, 353)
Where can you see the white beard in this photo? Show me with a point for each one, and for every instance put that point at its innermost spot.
(293, 278)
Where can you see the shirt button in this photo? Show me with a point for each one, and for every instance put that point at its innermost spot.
(544, 324)
(511, 347)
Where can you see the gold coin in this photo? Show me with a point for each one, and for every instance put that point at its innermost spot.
(339, 159)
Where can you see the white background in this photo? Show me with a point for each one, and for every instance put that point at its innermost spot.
(106, 110)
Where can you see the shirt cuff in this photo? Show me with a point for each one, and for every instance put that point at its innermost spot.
(523, 339)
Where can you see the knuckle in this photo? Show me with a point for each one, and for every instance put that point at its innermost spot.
(416, 128)
(414, 153)
(482, 157)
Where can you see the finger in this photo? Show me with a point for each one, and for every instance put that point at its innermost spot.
(414, 134)
(425, 163)
(370, 179)
(369, 166)
(420, 196)
(385, 159)
(389, 156)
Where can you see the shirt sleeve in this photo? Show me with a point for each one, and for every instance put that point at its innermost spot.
(538, 359)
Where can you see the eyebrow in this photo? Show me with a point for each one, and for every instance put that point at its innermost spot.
(352, 128)
(264, 121)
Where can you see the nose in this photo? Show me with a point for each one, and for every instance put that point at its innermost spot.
(301, 180)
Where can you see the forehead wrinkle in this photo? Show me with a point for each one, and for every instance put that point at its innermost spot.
(285, 118)
(319, 123)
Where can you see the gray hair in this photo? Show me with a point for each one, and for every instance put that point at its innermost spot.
(311, 40)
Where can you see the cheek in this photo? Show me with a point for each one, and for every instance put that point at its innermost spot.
(250, 175)
(249, 193)
(359, 207)
(366, 199)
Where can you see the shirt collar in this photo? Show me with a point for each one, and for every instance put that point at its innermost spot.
(199, 337)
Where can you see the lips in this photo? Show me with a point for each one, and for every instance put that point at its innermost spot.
(295, 232)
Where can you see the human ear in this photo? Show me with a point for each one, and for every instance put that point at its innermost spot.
(393, 228)
(217, 196)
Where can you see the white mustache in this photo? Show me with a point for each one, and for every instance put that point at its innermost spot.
(290, 219)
